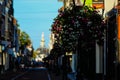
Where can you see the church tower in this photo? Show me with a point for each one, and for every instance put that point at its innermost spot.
(42, 50)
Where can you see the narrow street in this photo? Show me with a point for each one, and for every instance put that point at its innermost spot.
(59, 39)
(39, 73)
(32, 73)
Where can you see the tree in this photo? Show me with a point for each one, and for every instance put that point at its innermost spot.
(24, 41)
(24, 38)
(35, 54)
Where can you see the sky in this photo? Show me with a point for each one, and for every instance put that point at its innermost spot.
(35, 17)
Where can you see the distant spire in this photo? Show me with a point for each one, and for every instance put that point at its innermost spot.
(42, 43)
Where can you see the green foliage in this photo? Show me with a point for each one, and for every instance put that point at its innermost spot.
(35, 54)
(24, 39)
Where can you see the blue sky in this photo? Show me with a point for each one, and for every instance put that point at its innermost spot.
(35, 17)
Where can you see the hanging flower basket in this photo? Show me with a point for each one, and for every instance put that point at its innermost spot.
(73, 22)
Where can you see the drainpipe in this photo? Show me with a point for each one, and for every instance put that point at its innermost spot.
(6, 23)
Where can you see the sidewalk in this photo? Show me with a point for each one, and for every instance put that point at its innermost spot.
(53, 76)
(72, 76)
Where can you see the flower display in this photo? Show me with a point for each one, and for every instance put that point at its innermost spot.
(78, 22)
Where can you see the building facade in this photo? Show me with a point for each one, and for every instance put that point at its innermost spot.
(8, 33)
(103, 62)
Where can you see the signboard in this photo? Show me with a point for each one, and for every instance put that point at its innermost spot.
(87, 3)
(118, 27)
(99, 4)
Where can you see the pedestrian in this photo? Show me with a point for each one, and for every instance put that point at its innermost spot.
(16, 64)
(9, 50)
(64, 68)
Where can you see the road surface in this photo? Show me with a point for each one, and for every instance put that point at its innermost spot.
(38, 73)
